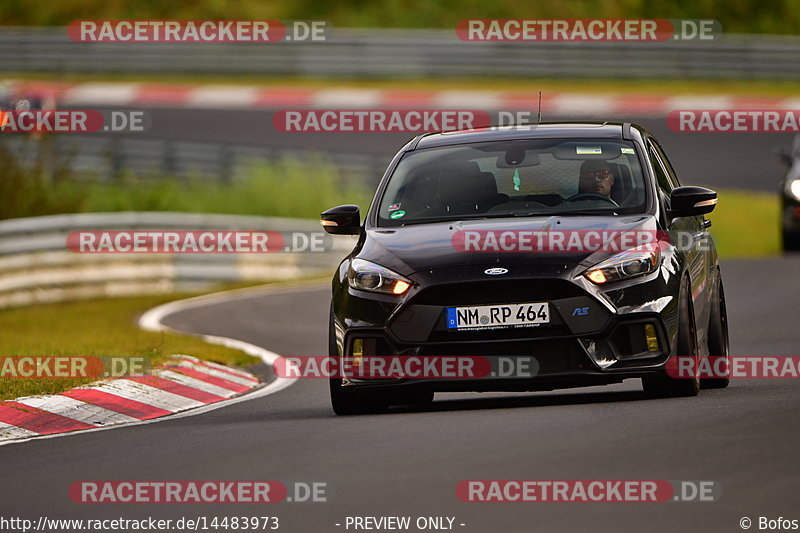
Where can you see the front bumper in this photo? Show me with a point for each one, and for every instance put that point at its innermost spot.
(593, 338)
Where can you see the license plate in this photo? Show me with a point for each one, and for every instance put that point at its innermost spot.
(498, 316)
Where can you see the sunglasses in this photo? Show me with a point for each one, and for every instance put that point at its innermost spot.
(599, 175)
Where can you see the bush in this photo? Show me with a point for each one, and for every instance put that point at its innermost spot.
(33, 186)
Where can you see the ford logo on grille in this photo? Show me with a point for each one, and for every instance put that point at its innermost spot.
(496, 271)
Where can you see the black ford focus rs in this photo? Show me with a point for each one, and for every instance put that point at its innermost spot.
(573, 246)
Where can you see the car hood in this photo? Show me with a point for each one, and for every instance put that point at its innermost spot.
(431, 247)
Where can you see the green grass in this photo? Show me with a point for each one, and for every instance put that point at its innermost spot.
(746, 224)
(94, 328)
(288, 188)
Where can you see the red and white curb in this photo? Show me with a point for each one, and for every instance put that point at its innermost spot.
(183, 383)
(98, 94)
(184, 386)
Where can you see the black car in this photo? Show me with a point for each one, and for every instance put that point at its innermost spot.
(790, 197)
(586, 315)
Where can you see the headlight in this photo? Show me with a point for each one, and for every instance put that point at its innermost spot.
(367, 276)
(625, 265)
(794, 188)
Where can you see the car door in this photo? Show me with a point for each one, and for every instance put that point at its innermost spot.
(693, 233)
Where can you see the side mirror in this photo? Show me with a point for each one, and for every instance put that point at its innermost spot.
(342, 220)
(691, 201)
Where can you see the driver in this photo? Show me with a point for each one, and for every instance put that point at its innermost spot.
(596, 177)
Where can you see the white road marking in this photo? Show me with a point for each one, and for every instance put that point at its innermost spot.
(7, 431)
(226, 369)
(101, 94)
(77, 410)
(346, 98)
(195, 383)
(140, 392)
(216, 373)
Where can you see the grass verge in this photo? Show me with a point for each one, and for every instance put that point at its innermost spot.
(100, 327)
(746, 224)
(285, 188)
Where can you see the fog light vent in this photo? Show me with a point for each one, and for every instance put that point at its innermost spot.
(651, 337)
(358, 352)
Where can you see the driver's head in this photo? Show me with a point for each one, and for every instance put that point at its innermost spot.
(596, 177)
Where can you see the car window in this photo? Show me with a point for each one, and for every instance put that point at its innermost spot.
(514, 178)
(673, 177)
(664, 183)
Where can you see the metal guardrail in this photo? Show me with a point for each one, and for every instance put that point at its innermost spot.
(108, 158)
(37, 267)
(392, 53)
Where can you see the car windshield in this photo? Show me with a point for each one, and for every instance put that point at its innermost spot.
(514, 178)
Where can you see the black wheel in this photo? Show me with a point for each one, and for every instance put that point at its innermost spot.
(418, 397)
(718, 344)
(663, 385)
(791, 241)
(347, 400)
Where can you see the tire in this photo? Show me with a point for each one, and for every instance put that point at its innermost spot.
(718, 342)
(662, 385)
(419, 397)
(346, 400)
(791, 241)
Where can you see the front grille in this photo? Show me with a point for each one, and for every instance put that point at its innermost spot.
(552, 356)
(497, 292)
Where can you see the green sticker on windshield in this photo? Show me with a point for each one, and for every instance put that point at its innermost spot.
(627, 150)
(516, 179)
(397, 214)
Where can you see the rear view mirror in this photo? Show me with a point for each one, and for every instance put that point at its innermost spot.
(342, 220)
(518, 159)
(691, 201)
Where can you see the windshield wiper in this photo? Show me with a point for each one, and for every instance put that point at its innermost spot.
(599, 212)
(513, 215)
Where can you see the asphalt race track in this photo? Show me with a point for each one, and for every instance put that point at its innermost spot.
(409, 462)
(734, 160)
